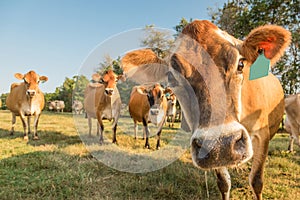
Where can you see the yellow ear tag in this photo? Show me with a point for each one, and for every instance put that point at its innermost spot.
(260, 67)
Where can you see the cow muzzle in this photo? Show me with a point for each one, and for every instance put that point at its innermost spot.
(109, 91)
(31, 93)
(221, 146)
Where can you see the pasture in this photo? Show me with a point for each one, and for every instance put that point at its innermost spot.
(58, 166)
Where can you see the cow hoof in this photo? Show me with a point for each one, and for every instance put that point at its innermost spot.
(157, 148)
(11, 133)
(114, 142)
(147, 146)
(36, 138)
(100, 142)
(26, 137)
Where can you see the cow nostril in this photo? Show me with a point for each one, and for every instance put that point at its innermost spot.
(197, 143)
(240, 142)
(30, 93)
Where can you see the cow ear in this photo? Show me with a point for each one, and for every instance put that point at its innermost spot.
(43, 78)
(271, 38)
(19, 76)
(144, 66)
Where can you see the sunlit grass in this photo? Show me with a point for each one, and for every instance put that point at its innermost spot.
(59, 166)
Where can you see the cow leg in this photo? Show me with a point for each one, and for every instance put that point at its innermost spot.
(146, 130)
(28, 122)
(22, 117)
(291, 144)
(13, 124)
(35, 125)
(98, 128)
(114, 129)
(101, 126)
(257, 170)
(173, 120)
(159, 133)
(224, 182)
(135, 130)
(294, 131)
(90, 126)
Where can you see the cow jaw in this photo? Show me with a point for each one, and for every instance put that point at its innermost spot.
(221, 146)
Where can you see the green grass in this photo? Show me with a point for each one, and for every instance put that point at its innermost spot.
(58, 166)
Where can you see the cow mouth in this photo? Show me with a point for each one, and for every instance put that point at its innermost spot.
(228, 149)
(109, 92)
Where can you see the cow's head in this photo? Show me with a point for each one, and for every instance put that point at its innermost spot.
(110, 80)
(157, 102)
(31, 80)
(216, 66)
(171, 97)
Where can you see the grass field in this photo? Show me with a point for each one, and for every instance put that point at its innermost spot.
(59, 166)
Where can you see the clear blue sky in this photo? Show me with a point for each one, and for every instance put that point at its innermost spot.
(54, 37)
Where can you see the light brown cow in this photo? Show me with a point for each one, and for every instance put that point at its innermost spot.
(56, 105)
(148, 104)
(77, 107)
(102, 101)
(292, 119)
(26, 99)
(232, 118)
(172, 103)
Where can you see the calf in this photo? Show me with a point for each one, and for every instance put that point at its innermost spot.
(231, 117)
(148, 104)
(26, 100)
(292, 120)
(102, 101)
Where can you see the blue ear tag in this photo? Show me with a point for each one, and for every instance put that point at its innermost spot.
(260, 67)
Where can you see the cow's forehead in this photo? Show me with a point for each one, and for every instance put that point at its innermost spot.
(31, 77)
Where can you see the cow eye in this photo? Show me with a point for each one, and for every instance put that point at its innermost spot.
(241, 65)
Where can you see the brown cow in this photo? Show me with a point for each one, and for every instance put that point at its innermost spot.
(102, 101)
(148, 104)
(292, 120)
(26, 99)
(232, 118)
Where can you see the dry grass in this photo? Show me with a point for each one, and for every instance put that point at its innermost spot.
(58, 166)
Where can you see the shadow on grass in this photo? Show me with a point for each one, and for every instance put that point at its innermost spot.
(55, 175)
(45, 138)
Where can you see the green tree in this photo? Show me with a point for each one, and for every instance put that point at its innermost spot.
(3, 101)
(239, 17)
(159, 41)
(183, 22)
(110, 64)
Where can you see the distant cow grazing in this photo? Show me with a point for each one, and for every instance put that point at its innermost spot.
(102, 101)
(26, 100)
(231, 117)
(56, 105)
(77, 107)
(172, 102)
(148, 104)
(292, 120)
